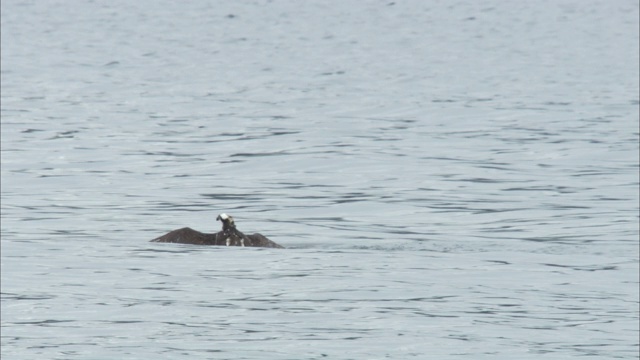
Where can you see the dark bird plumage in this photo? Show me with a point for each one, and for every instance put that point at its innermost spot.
(228, 236)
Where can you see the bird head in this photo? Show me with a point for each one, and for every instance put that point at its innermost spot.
(227, 221)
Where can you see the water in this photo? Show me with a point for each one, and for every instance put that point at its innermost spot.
(451, 179)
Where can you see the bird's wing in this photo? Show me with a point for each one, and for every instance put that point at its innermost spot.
(260, 240)
(187, 236)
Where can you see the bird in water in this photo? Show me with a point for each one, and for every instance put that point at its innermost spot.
(228, 236)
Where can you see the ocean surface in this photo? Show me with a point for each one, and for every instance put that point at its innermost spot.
(451, 179)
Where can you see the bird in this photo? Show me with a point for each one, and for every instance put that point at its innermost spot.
(228, 236)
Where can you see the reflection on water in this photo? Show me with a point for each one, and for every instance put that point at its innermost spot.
(448, 180)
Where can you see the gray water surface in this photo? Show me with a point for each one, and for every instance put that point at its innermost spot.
(451, 179)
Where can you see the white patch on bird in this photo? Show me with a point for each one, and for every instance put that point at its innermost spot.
(223, 216)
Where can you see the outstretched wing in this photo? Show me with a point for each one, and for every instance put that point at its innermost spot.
(187, 236)
(259, 240)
